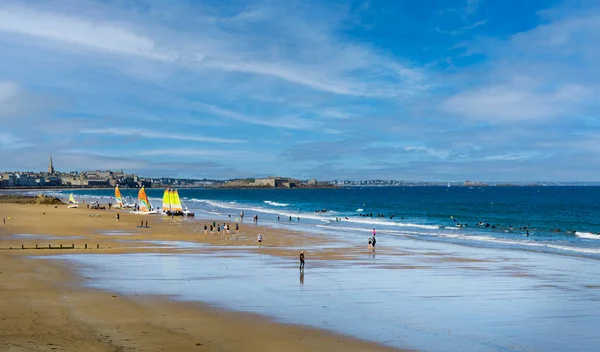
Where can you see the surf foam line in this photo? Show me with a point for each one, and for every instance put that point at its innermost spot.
(474, 238)
(588, 235)
(516, 244)
(275, 204)
(313, 216)
(441, 234)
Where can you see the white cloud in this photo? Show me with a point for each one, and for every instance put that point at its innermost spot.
(219, 153)
(302, 51)
(288, 122)
(547, 72)
(79, 31)
(509, 103)
(133, 132)
(10, 141)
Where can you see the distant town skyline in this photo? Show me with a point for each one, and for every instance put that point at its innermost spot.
(352, 90)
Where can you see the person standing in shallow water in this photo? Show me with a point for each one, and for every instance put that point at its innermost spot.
(302, 260)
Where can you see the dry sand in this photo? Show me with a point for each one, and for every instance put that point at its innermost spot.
(45, 308)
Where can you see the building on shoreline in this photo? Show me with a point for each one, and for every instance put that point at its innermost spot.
(53, 178)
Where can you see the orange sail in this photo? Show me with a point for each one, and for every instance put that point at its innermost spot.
(143, 200)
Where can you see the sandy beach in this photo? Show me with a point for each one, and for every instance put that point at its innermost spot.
(45, 306)
(170, 286)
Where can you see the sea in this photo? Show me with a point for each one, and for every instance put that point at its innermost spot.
(563, 220)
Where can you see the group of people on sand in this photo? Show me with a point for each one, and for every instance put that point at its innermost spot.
(225, 228)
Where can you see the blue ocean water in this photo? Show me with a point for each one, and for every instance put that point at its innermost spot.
(562, 220)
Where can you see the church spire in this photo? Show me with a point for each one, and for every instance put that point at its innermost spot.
(51, 166)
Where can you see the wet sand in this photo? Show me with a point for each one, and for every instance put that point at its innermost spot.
(45, 305)
(409, 294)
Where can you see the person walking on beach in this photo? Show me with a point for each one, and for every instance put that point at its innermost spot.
(211, 229)
(237, 227)
(242, 215)
(374, 241)
(118, 217)
(370, 243)
(142, 224)
(205, 227)
(146, 224)
(302, 260)
(219, 229)
(259, 238)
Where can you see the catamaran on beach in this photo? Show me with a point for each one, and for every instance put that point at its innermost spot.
(173, 205)
(144, 207)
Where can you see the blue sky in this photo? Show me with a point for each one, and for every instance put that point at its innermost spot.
(412, 90)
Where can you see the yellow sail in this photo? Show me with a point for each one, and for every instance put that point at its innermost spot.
(167, 200)
(143, 200)
(118, 197)
(175, 201)
(72, 199)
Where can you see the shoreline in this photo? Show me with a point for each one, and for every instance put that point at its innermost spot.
(49, 297)
(428, 296)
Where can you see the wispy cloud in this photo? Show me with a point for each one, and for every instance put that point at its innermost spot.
(289, 122)
(463, 29)
(79, 31)
(336, 71)
(132, 132)
(9, 141)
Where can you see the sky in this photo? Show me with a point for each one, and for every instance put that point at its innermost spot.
(406, 90)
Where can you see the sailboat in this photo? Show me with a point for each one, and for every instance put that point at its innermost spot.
(72, 202)
(172, 204)
(118, 198)
(120, 202)
(176, 207)
(144, 206)
(166, 206)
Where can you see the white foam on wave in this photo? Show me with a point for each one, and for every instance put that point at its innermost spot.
(479, 238)
(360, 209)
(588, 235)
(378, 222)
(250, 208)
(529, 243)
(275, 204)
(315, 216)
